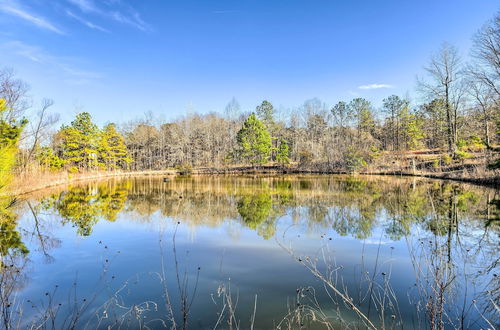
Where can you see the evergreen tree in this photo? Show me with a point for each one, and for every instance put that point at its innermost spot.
(394, 106)
(254, 141)
(283, 155)
(265, 112)
(342, 115)
(10, 239)
(9, 137)
(362, 110)
(411, 130)
(112, 149)
(435, 118)
(49, 160)
(80, 142)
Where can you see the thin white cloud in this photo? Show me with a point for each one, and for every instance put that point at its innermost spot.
(86, 6)
(13, 8)
(63, 65)
(85, 22)
(131, 18)
(375, 86)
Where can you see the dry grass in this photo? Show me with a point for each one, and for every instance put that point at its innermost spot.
(30, 182)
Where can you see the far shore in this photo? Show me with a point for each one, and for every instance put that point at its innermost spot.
(31, 183)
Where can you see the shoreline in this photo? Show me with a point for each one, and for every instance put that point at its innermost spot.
(59, 179)
(64, 178)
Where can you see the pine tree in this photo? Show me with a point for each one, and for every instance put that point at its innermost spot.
(283, 155)
(80, 142)
(412, 130)
(112, 149)
(362, 110)
(10, 239)
(265, 112)
(254, 141)
(9, 137)
(49, 160)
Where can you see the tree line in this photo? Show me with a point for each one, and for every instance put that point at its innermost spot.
(460, 114)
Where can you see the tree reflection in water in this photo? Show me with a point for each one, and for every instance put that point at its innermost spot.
(452, 229)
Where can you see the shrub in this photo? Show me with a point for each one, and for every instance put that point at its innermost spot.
(184, 169)
(474, 143)
(375, 152)
(73, 169)
(446, 159)
(354, 161)
(461, 155)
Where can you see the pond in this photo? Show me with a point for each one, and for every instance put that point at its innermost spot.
(261, 252)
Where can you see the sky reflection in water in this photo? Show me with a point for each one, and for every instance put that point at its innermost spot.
(97, 249)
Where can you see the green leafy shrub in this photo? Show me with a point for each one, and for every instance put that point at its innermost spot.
(461, 155)
(354, 161)
(446, 159)
(73, 169)
(375, 152)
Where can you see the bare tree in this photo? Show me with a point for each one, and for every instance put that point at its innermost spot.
(486, 52)
(446, 83)
(40, 129)
(14, 92)
(484, 73)
(484, 104)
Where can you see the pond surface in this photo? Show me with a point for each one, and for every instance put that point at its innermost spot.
(263, 252)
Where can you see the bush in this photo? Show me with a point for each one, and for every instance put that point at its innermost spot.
(474, 143)
(184, 169)
(354, 161)
(446, 159)
(495, 165)
(375, 152)
(461, 155)
(73, 169)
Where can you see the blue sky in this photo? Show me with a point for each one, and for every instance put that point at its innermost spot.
(121, 58)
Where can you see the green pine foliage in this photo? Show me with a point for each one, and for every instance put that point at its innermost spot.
(85, 147)
(412, 131)
(112, 149)
(283, 155)
(9, 137)
(265, 112)
(49, 160)
(80, 142)
(254, 141)
(10, 239)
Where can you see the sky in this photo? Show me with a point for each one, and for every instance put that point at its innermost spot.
(119, 59)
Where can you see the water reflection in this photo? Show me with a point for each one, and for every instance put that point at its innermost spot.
(451, 230)
(352, 206)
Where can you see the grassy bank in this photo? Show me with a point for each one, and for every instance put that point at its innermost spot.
(27, 183)
(419, 164)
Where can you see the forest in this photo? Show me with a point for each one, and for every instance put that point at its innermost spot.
(456, 127)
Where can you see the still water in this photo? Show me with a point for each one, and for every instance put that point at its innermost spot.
(261, 252)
